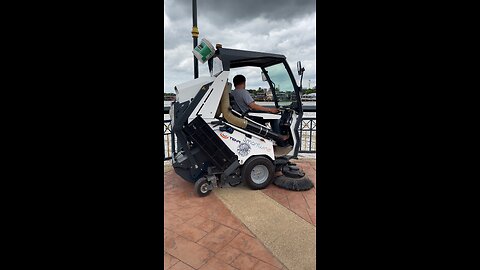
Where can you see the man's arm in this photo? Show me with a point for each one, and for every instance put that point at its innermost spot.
(256, 107)
(251, 103)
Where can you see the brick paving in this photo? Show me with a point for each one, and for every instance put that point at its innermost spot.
(302, 203)
(201, 233)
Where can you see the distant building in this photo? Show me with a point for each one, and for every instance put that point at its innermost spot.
(309, 97)
(268, 94)
(259, 97)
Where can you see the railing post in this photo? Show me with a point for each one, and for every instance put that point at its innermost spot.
(173, 140)
(301, 137)
(311, 129)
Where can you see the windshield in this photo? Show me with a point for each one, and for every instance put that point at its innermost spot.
(284, 89)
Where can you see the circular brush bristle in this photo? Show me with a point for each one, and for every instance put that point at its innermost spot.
(296, 184)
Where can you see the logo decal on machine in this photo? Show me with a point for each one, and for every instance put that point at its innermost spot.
(224, 136)
(243, 149)
(256, 144)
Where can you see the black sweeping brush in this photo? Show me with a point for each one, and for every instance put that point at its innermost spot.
(296, 184)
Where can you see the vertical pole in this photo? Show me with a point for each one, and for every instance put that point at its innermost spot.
(173, 140)
(195, 37)
(311, 129)
(168, 144)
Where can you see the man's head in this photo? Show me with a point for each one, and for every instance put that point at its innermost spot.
(239, 81)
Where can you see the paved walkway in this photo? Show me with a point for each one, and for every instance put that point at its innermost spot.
(304, 204)
(202, 233)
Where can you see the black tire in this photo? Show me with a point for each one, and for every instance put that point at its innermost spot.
(264, 166)
(299, 173)
(200, 187)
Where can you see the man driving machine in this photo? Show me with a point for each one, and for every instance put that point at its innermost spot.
(245, 103)
(243, 98)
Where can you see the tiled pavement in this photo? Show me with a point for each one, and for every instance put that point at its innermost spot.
(303, 203)
(201, 233)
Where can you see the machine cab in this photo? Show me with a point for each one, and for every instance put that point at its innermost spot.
(274, 69)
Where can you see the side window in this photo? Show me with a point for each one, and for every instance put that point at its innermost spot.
(284, 88)
(259, 90)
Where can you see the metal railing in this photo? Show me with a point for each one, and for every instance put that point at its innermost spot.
(305, 108)
(169, 141)
(308, 137)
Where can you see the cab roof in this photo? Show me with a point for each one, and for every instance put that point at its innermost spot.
(232, 58)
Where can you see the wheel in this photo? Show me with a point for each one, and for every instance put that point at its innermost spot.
(293, 171)
(201, 187)
(258, 172)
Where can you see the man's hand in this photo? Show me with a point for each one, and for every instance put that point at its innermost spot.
(273, 110)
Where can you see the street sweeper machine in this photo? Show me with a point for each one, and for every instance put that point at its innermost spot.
(218, 144)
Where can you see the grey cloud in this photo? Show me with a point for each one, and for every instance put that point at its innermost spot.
(231, 11)
(291, 32)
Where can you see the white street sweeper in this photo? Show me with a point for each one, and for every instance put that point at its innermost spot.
(219, 145)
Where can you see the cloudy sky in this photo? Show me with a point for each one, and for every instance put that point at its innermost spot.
(276, 26)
